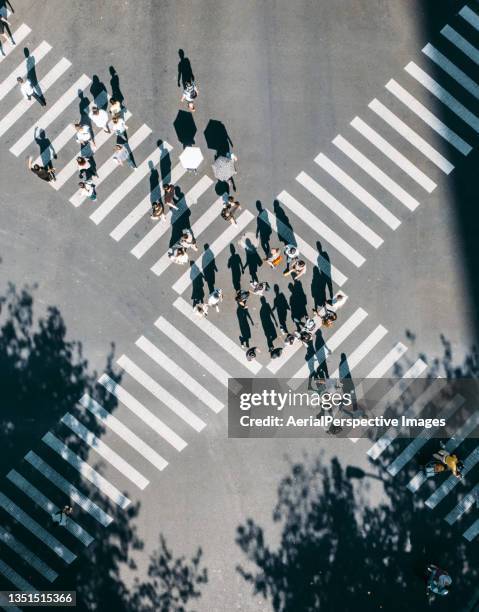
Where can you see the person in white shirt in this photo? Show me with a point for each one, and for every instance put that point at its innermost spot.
(178, 255)
(119, 125)
(100, 118)
(327, 312)
(88, 189)
(201, 310)
(187, 240)
(83, 134)
(215, 297)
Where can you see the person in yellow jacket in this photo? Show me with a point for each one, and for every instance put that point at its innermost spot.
(451, 461)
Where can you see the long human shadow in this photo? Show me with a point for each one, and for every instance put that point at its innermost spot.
(209, 267)
(287, 235)
(253, 260)
(197, 284)
(297, 302)
(268, 322)
(31, 73)
(116, 92)
(281, 307)
(99, 92)
(185, 72)
(181, 218)
(48, 388)
(47, 151)
(154, 180)
(263, 229)
(244, 320)
(236, 266)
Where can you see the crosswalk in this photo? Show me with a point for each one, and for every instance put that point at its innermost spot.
(349, 199)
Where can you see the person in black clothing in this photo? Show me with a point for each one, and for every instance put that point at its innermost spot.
(46, 174)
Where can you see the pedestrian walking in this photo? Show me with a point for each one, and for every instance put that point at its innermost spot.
(290, 339)
(242, 297)
(251, 353)
(438, 581)
(28, 91)
(187, 240)
(296, 269)
(59, 515)
(190, 93)
(87, 189)
(83, 164)
(169, 196)
(274, 258)
(119, 126)
(44, 173)
(452, 462)
(215, 297)
(291, 252)
(258, 288)
(5, 29)
(100, 118)
(230, 207)
(115, 108)
(158, 211)
(83, 134)
(201, 310)
(178, 255)
(122, 154)
(275, 353)
(304, 336)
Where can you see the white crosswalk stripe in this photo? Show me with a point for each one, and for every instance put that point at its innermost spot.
(473, 531)
(463, 506)
(388, 361)
(70, 490)
(24, 105)
(11, 575)
(443, 95)
(460, 435)
(11, 80)
(158, 230)
(19, 35)
(213, 251)
(86, 470)
(359, 192)
(145, 205)
(110, 165)
(461, 43)
(142, 412)
(37, 530)
(129, 183)
(287, 234)
(411, 412)
(470, 16)
(451, 69)
(442, 491)
(289, 351)
(161, 393)
(411, 136)
(330, 345)
(105, 451)
(51, 114)
(197, 228)
(123, 432)
(170, 366)
(43, 502)
(71, 167)
(25, 553)
(360, 352)
(341, 211)
(376, 173)
(393, 154)
(426, 434)
(322, 229)
(431, 120)
(46, 156)
(215, 334)
(197, 354)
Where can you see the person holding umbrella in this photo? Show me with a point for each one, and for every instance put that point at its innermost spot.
(224, 168)
(191, 158)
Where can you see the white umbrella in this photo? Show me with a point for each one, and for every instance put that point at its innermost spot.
(224, 168)
(191, 158)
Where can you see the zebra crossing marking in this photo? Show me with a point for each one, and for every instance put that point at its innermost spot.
(54, 111)
(142, 412)
(461, 43)
(130, 182)
(70, 490)
(216, 335)
(24, 105)
(359, 192)
(11, 80)
(411, 136)
(451, 69)
(123, 432)
(448, 485)
(388, 361)
(12, 576)
(25, 553)
(472, 532)
(322, 229)
(85, 470)
(443, 95)
(110, 165)
(105, 451)
(431, 120)
(341, 211)
(37, 530)
(393, 154)
(360, 352)
(161, 393)
(48, 506)
(463, 506)
(159, 229)
(376, 173)
(20, 34)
